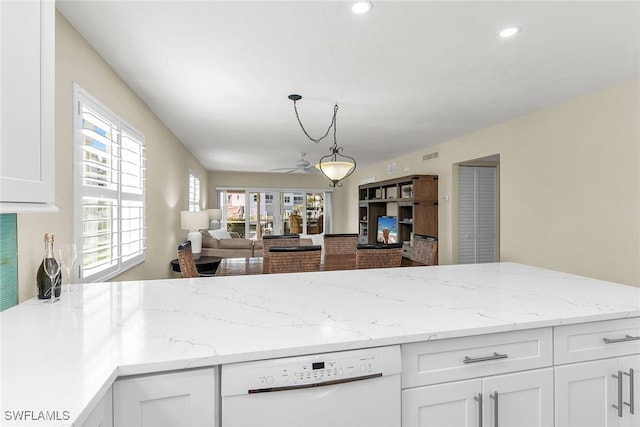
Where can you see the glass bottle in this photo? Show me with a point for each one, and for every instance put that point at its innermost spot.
(43, 281)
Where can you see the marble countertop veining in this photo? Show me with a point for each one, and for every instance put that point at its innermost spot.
(63, 356)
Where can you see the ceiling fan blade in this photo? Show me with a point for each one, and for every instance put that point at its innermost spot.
(284, 169)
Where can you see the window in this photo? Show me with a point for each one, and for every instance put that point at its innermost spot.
(194, 192)
(109, 194)
(255, 212)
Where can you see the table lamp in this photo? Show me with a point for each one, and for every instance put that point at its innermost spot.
(215, 215)
(194, 222)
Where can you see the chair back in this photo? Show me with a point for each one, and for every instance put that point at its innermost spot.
(186, 261)
(295, 224)
(379, 255)
(425, 250)
(294, 259)
(278, 240)
(340, 244)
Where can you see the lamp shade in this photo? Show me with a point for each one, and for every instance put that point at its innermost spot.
(335, 171)
(190, 220)
(214, 214)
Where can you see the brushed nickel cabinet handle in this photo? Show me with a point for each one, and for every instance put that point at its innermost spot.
(478, 399)
(619, 405)
(494, 396)
(495, 356)
(616, 340)
(632, 399)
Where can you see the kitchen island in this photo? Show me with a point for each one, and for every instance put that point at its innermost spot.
(64, 356)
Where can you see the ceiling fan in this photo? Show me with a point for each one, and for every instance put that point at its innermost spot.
(302, 165)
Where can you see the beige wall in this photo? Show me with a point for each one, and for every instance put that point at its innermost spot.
(168, 165)
(569, 185)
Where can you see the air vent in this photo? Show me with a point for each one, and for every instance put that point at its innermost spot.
(430, 156)
(391, 168)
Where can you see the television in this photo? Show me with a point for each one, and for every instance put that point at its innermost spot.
(387, 229)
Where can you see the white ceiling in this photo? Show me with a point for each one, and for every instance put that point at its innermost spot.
(406, 75)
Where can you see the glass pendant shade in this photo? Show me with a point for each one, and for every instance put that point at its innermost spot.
(335, 171)
(336, 166)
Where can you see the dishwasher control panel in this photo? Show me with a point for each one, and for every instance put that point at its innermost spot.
(314, 370)
(310, 370)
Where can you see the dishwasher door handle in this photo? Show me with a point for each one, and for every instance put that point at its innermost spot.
(313, 385)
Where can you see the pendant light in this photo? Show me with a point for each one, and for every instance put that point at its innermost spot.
(335, 165)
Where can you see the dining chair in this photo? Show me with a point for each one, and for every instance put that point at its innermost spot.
(279, 240)
(424, 250)
(378, 255)
(294, 259)
(187, 262)
(340, 244)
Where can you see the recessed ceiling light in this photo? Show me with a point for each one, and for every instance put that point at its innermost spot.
(362, 7)
(509, 32)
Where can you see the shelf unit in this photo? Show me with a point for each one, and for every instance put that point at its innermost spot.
(412, 199)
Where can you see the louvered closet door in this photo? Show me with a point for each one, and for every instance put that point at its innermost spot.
(477, 215)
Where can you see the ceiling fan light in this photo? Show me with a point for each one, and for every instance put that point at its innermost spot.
(335, 171)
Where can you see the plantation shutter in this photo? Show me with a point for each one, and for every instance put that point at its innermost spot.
(110, 190)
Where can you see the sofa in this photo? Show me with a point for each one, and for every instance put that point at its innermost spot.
(230, 247)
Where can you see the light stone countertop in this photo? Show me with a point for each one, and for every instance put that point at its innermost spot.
(63, 356)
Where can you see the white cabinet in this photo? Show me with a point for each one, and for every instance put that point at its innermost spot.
(497, 379)
(179, 399)
(587, 392)
(443, 405)
(598, 384)
(518, 399)
(102, 414)
(27, 154)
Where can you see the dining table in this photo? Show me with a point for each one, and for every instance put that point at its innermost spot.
(260, 265)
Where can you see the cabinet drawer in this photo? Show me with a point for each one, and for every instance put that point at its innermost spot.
(596, 340)
(433, 362)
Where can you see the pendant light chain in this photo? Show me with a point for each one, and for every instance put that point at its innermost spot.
(332, 167)
(332, 124)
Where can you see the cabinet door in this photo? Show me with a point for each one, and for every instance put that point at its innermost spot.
(425, 218)
(585, 393)
(443, 405)
(630, 368)
(102, 414)
(178, 399)
(523, 399)
(27, 32)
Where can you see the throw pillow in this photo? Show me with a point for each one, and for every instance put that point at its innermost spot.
(220, 234)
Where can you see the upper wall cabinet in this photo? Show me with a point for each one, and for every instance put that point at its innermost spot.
(27, 66)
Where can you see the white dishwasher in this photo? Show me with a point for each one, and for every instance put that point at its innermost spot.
(348, 388)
